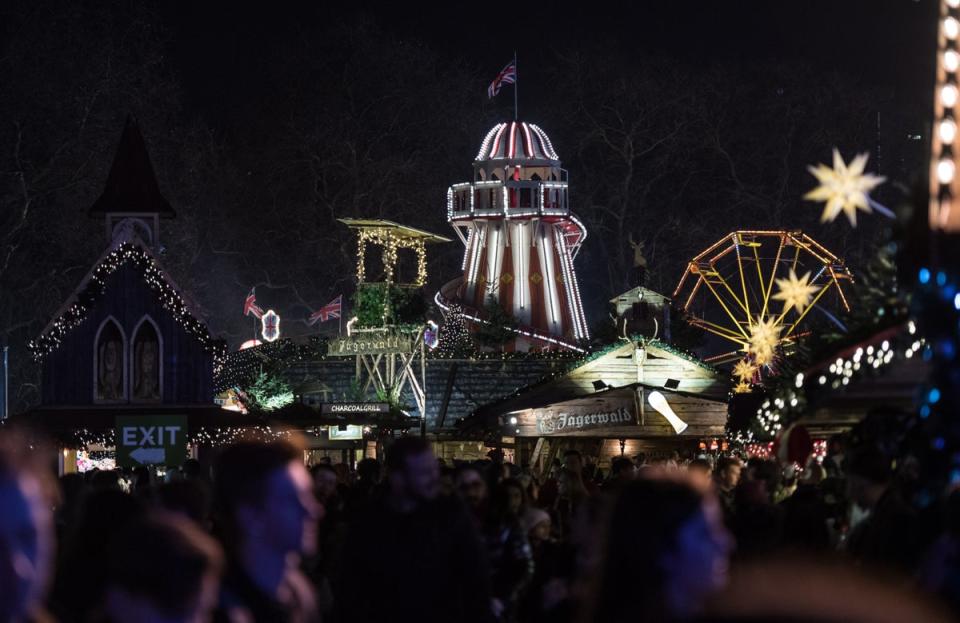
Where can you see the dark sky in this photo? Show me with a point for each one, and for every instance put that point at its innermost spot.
(887, 43)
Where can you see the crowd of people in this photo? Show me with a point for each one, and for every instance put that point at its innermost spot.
(260, 536)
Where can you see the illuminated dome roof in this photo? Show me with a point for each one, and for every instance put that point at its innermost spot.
(516, 140)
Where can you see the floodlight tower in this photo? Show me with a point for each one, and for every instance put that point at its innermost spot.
(520, 239)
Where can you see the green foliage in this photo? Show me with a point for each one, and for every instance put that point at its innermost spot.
(379, 304)
(496, 332)
(269, 392)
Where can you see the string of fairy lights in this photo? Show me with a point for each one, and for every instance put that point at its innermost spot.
(789, 401)
(205, 436)
(167, 295)
(391, 243)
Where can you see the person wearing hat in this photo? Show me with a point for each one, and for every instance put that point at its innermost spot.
(548, 594)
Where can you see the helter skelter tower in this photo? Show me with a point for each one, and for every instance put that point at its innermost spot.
(520, 239)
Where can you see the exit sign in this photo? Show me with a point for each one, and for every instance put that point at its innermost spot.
(151, 440)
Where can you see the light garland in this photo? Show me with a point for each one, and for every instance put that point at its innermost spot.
(155, 278)
(943, 214)
(391, 243)
(784, 406)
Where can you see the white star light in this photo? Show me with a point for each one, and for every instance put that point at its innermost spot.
(795, 292)
(843, 188)
(764, 338)
(744, 370)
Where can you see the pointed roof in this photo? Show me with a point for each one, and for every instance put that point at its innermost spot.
(132, 185)
(92, 287)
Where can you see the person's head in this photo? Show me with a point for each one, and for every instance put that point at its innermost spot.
(471, 485)
(142, 479)
(537, 525)
(162, 568)
(368, 471)
(573, 461)
(700, 472)
(728, 472)
(868, 472)
(448, 483)
(324, 481)
(813, 473)
(570, 484)
(767, 472)
(189, 498)
(192, 469)
(412, 470)
(264, 498)
(509, 498)
(665, 551)
(108, 479)
(26, 531)
(622, 468)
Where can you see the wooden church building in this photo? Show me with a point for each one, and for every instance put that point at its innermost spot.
(127, 341)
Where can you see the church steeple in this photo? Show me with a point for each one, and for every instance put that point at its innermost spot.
(131, 199)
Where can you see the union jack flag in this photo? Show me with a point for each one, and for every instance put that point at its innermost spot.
(507, 76)
(328, 311)
(250, 305)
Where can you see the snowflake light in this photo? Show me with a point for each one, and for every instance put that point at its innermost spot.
(764, 338)
(744, 370)
(795, 292)
(843, 188)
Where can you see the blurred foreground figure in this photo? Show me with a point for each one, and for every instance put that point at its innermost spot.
(26, 534)
(162, 569)
(665, 552)
(267, 518)
(790, 590)
(413, 555)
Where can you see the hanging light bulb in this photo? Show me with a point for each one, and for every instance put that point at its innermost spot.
(948, 131)
(948, 95)
(951, 27)
(951, 60)
(659, 402)
(945, 170)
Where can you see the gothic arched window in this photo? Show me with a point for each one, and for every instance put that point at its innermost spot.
(109, 366)
(147, 362)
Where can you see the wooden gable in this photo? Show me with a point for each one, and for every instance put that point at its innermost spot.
(124, 290)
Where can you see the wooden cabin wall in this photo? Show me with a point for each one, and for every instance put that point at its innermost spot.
(68, 372)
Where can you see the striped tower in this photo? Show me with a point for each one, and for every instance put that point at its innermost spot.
(520, 238)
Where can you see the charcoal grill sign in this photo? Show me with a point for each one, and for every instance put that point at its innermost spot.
(573, 420)
(354, 408)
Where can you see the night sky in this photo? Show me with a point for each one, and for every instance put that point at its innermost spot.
(887, 43)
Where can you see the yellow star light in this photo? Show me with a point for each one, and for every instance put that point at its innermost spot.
(741, 388)
(744, 370)
(764, 337)
(843, 188)
(795, 292)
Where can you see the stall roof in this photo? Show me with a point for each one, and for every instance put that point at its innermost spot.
(616, 366)
(396, 229)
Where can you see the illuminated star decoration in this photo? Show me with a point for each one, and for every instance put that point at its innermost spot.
(844, 188)
(764, 337)
(795, 292)
(741, 388)
(744, 370)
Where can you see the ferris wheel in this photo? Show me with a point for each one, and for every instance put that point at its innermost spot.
(753, 282)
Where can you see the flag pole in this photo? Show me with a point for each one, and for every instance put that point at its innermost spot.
(516, 86)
